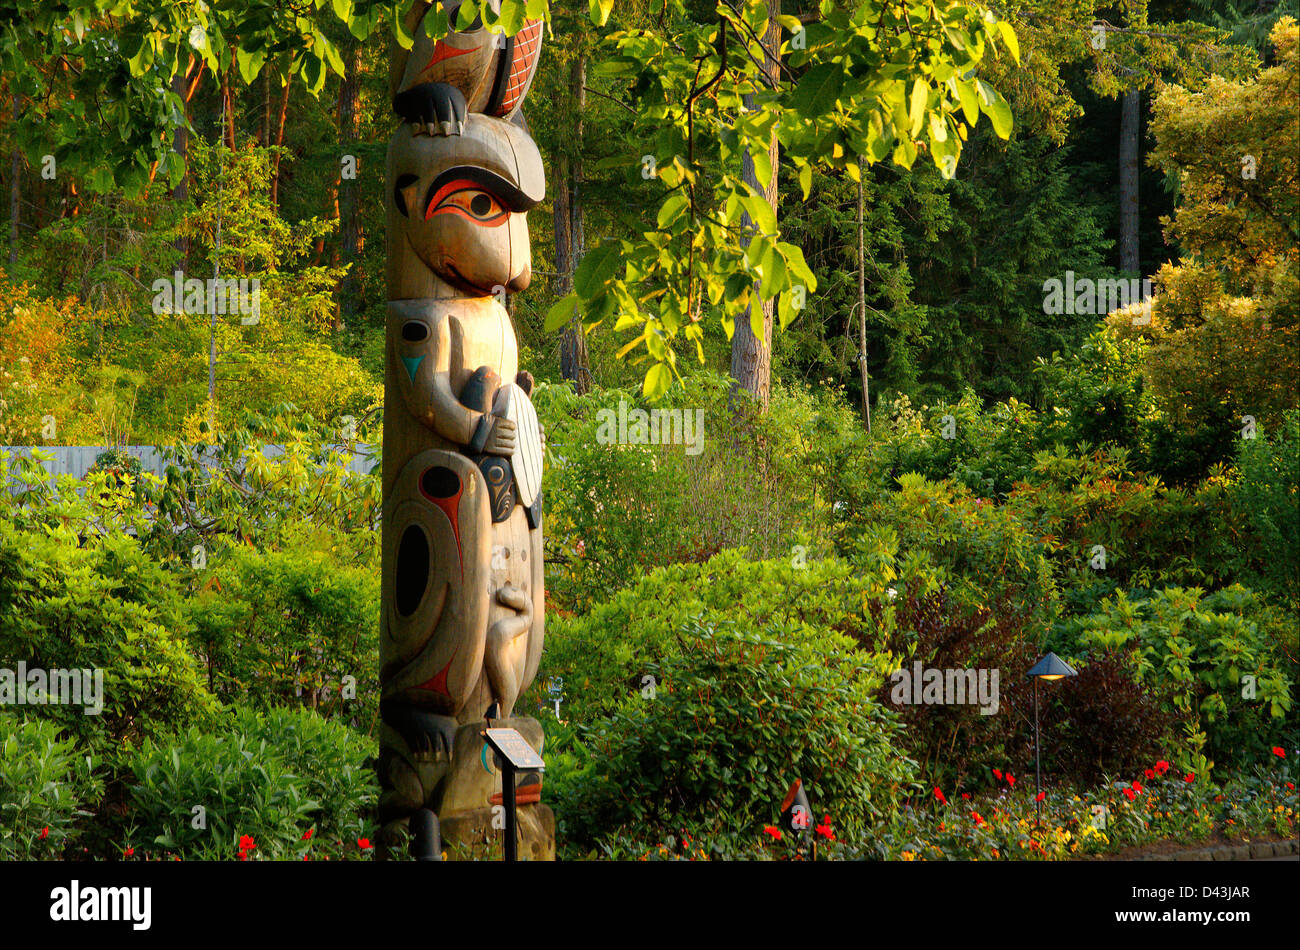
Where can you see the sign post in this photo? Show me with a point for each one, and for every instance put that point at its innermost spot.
(515, 755)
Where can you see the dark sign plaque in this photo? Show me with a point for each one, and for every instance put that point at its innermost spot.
(514, 748)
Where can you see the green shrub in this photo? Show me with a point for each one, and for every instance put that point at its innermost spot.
(603, 656)
(735, 719)
(1267, 497)
(46, 785)
(987, 555)
(614, 512)
(99, 603)
(1152, 535)
(271, 776)
(285, 627)
(1196, 651)
(985, 450)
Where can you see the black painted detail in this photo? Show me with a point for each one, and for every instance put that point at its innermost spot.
(534, 513)
(500, 480)
(414, 331)
(499, 85)
(412, 572)
(479, 390)
(404, 182)
(440, 482)
(432, 102)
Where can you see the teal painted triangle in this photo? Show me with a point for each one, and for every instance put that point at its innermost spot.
(412, 364)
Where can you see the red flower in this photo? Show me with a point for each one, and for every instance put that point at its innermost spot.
(306, 835)
(1189, 778)
(363, 843)
(129, 852)
(978, 820)
(1291, 785)
(246, 843)
(1011, 780)
(45, 833)
(1129, 792)
(939, 795)
(825, 831)
(1162, 766)
(243, 855)
(774, 831)
(1137, 786)
(1150, 774)
(997, 774)
(965, 795)
(1279, 752)
(1040, 796)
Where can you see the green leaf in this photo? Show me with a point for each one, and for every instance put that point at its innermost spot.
(997, 109)
(561, 312)
(467, 14)
(1009, 37)
(250, 64)
(672, 209)
(916, 108)
(970, 102)
(818, 89)
(762, 160)
(598, 266)
(600, 11)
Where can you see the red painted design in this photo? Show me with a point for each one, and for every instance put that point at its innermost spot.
(442, 51)
(526, 795)
(450, 507)
(456, 197)
(528, 44)
(438, 682)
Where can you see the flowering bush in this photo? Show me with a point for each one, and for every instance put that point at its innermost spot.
(1161, 805)
(734, 720)
(277, 785)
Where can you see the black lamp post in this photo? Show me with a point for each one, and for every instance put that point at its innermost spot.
(1050, 668)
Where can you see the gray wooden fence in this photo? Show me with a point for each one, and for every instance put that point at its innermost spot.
(77, 460)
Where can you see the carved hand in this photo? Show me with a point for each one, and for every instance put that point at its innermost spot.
(501, 440)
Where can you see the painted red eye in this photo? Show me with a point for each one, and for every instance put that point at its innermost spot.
(469, 200)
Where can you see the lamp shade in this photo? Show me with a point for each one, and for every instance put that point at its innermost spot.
(1051, 667)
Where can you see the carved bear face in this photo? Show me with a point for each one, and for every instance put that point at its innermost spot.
(460, 202)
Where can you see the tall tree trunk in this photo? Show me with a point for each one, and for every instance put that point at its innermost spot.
(15, 193)
(279, 143)
(181, 146)
(862, 304)
(228, 104)
(349, 198)
(264, 131)
(578, 77)
(1129, 126)
(567, 214)
(751, 355)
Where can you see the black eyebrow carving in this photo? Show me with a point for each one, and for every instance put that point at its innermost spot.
(504, 190)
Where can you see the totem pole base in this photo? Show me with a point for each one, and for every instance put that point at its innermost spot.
(469, 802)
(470, 835)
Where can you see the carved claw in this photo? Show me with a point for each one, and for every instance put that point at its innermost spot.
(434, 108)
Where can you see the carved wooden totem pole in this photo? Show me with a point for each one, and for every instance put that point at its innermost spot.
(462, 518)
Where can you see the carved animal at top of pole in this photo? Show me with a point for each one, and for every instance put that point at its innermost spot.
(462, 597)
